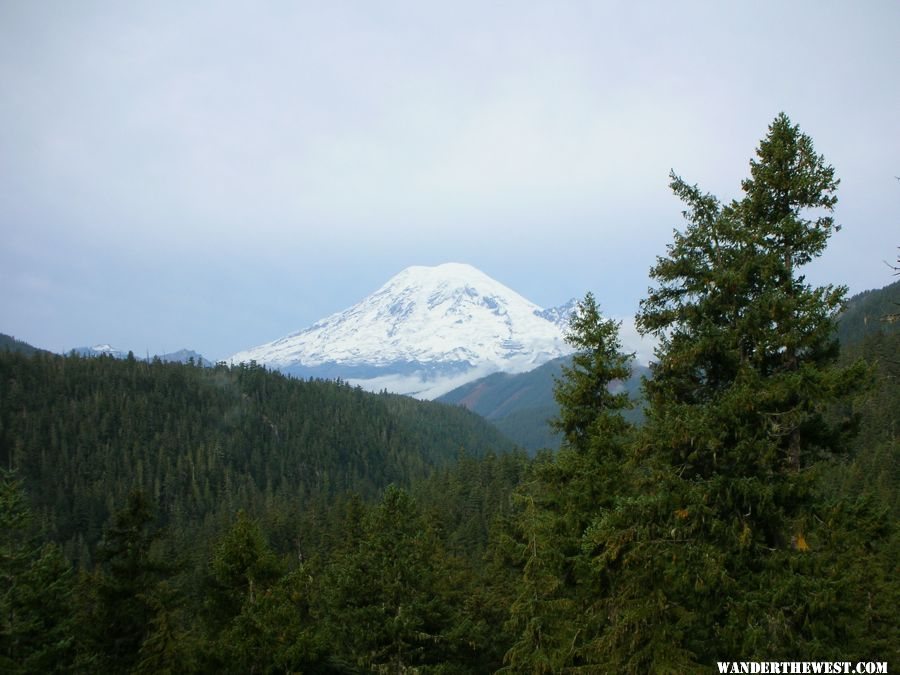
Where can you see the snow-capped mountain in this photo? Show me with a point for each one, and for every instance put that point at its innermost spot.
(100, 350)
(559, 314)
(424, 332)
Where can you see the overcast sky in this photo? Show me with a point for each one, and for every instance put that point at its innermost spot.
(217, 175)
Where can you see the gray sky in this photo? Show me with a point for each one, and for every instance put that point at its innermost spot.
(217, 175)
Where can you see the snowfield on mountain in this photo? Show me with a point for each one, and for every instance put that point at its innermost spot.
(423, 333)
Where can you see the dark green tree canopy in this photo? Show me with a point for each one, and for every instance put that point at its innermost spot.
(726, 522)
(555, 612)
(731, 309)
(587, 406)
(786, 181)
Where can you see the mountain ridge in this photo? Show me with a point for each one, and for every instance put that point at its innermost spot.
(181, 356)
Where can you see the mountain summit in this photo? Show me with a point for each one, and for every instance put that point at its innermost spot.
(424, 332)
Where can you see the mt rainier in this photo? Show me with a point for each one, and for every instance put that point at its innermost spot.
(423, 333)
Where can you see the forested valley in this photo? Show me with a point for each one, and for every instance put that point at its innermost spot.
(171, 518)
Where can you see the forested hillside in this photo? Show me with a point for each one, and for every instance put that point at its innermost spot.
(82, 433)
(870, 333)
(869, 313)
(9, 344)
(875, 465)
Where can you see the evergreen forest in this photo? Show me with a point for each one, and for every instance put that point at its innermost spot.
(172, 518)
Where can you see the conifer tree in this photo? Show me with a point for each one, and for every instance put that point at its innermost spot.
(242, 566)
(119, 598)
(262, 612)
(723, 549)
(386, 605)
(37, 631)
(587, 407)
(554, 613)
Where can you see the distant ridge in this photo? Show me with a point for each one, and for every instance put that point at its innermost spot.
(521, 405)
(186, 356)
(10, 344)
(181, 356)
(870, 312)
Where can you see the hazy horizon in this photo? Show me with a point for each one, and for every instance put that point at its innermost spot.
(216, 176)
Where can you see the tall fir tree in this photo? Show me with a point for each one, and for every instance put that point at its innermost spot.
(726, 548)
(588, 409)
(556, 612)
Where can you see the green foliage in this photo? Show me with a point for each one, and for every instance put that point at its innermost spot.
(875, 469)
(468, 496)
(169, 645)
(467, 506)
(545, 615)
(664, 578)
(712, 534)
(258, 612)
(729, 557)
(385, 603)
(242, 567)
(746, 347)
(583, 393)
(554, 613)
(201, 444)
(123, 595)
(37, 631)
(531, 427)
(276, 631)
(243, 559)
